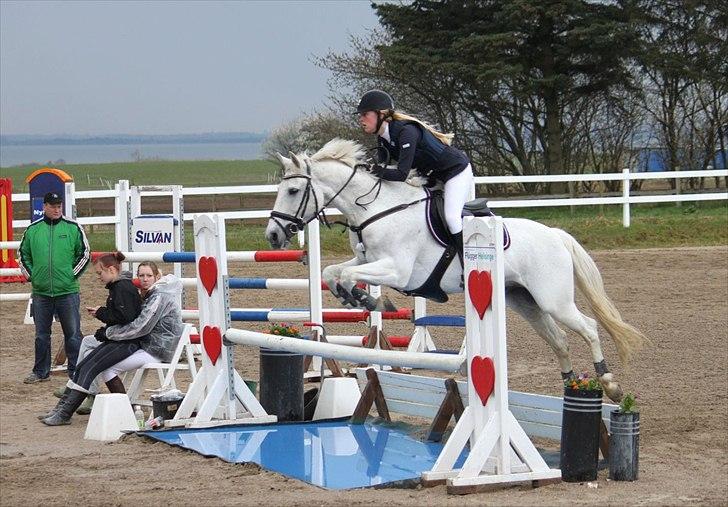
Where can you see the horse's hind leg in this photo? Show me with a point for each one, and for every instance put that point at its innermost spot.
(569, 315)
(523, 303)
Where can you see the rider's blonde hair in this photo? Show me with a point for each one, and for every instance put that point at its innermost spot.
(444, 138)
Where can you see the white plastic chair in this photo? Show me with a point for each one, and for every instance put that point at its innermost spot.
(188, 345)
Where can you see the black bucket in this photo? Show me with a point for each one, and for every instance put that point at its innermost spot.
(580, 435)
(281, 384)
(624, 445)
(166, 408)
(310, 399)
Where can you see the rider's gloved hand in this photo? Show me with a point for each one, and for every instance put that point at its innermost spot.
(378, 170)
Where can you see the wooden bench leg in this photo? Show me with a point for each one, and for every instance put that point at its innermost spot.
(372, 394)
(451, 405)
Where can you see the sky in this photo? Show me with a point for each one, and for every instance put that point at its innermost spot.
(89, 68)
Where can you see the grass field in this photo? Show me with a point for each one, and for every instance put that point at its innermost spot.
(157, 172)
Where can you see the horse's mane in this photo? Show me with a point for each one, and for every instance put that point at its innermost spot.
(343, 150)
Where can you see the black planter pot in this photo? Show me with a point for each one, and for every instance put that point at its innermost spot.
(281, 384)
(580, 435)
(624, 445)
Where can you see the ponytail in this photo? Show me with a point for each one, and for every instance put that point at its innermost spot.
(111, 259)
(444, 138)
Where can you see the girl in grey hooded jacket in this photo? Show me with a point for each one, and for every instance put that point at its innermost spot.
(159, 326)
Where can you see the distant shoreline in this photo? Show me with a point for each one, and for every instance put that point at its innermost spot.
(119, 139)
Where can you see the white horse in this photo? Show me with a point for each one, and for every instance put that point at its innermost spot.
(398, 251)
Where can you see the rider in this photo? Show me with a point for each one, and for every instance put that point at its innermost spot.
(415, 144)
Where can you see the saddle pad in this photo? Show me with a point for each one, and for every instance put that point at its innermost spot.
(436, 220)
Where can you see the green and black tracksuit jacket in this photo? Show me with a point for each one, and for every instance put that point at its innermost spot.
(53, 254)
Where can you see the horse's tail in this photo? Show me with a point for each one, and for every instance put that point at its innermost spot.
(589, 281)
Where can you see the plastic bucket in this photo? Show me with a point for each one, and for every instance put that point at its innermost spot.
(624, 446)
(281, 384)
(580, 435)
(166, 409)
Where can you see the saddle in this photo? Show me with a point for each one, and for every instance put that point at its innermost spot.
(435, 215)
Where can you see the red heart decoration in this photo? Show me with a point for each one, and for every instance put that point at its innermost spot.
(482, 373)
(212, 342)
(207, 269)
(480, 289)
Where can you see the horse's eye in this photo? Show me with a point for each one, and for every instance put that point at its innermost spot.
(292, 191)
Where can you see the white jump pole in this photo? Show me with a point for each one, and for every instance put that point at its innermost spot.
(440, 362)
(487, 422)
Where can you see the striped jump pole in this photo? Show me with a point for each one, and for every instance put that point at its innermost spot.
(234, 256)
(262, 283)
(301, 315)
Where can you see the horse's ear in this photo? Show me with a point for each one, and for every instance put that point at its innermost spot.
(283, 160)
(295, 160)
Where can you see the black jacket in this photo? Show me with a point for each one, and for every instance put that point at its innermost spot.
(413, 146)
(123, 305)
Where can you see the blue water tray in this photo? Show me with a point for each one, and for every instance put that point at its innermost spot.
(329, 454)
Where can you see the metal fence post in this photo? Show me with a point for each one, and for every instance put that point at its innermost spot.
(625, 195)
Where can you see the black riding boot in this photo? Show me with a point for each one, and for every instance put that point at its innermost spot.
(115, 385)
(58, 405)
(458, 240)
(64, 413)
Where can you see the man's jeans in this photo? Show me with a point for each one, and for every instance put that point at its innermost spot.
(67, 309)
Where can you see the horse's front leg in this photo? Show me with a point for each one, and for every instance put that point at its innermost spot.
(331, 275)
(381, 272)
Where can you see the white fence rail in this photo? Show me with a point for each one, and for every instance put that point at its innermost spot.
(625, 200)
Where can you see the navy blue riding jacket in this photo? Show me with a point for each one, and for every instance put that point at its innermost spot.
(413, 146)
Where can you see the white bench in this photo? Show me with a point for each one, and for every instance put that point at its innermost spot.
(415, 395)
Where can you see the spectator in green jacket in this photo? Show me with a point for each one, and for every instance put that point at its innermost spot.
(53, 253)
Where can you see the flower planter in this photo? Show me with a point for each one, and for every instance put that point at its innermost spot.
(580, 435)
(624, 443)
(281, 384)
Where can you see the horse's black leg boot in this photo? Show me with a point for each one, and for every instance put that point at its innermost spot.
(63, 416)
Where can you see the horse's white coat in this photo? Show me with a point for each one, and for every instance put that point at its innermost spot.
(399, 252)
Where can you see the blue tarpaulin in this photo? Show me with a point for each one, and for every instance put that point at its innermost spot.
(329, 454)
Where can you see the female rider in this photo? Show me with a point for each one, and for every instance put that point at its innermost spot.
(416, 145)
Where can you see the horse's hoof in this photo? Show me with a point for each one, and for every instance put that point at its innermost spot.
(611, 388)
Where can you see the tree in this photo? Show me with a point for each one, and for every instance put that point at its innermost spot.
(684, 61)
(527, 61)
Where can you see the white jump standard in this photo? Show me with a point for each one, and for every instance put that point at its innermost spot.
(487, 422)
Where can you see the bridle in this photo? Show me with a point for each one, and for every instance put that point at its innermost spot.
(296, 222)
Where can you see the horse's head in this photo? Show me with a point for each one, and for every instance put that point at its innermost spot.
(307, 187)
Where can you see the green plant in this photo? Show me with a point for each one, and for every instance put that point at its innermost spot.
(627, 405)
(583, 383)
(284, 329)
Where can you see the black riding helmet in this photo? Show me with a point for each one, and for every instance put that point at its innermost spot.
(375, 100)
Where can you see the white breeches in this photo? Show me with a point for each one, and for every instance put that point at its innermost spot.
(134, 361)
(458, 190)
